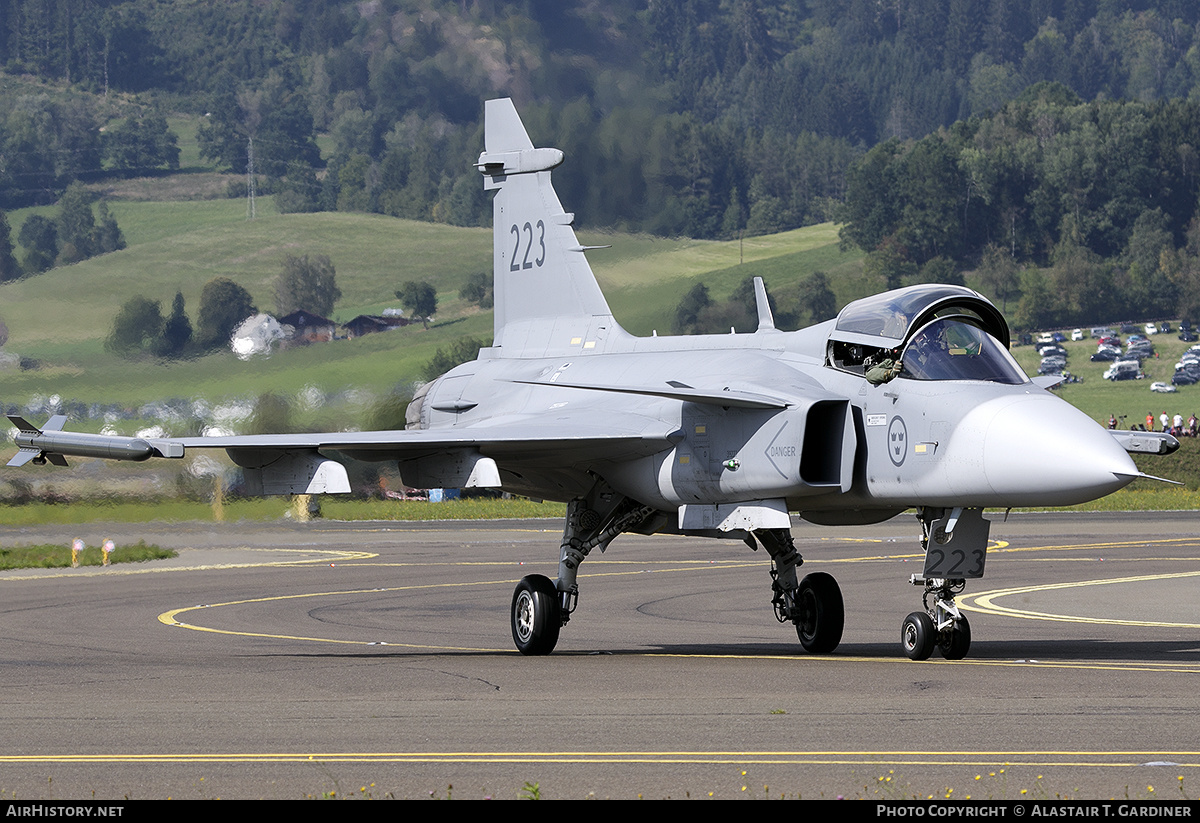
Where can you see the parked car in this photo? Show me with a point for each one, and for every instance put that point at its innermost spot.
(1162, 388)
(1077, 334)
(1127, 370)
(1164, 327)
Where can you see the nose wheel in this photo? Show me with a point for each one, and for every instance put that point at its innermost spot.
(918, 636)
(955, 642)
(942, 627)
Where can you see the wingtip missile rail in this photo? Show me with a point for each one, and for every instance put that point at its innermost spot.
(1140, 442)
(51, 444)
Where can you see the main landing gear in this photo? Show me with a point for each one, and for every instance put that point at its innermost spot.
(947, 566)
(813, 604)
(540, 606)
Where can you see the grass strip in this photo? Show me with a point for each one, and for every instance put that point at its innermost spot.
(51, 556)
(267, 509)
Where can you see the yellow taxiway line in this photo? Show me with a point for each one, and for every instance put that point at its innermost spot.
(985, 602)
(1032, 758)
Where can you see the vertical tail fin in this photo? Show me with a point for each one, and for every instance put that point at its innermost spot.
(547, 298)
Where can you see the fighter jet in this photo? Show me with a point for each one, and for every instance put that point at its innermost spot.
(907, 400)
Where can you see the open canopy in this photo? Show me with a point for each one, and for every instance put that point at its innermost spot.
(887, 320)
(938, 332)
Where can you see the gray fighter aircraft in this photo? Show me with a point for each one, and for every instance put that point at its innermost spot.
(907, 400)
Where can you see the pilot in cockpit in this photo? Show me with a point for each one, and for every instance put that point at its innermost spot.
(883, 366)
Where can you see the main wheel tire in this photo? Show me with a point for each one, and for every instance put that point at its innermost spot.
(822, 613)
(535, 615)
(955, 643)
(918, 636)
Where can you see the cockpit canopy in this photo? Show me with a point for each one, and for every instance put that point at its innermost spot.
(886, 320)
(939, 332)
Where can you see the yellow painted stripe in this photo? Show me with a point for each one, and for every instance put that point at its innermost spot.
(1000, 758)
(321, 556)
(984, 602)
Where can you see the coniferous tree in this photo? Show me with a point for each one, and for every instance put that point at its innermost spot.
(76, 225)
(177, 330)
(9, 270)
(107, 236)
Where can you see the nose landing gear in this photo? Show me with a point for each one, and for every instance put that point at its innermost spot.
(955, 545)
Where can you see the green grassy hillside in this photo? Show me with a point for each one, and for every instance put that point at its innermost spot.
(62, 317)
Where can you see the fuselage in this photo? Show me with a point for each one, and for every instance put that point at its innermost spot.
(841, 450)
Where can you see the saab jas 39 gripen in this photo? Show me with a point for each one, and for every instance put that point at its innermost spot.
(907, 400)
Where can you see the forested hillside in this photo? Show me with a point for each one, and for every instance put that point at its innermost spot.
(1050, 143)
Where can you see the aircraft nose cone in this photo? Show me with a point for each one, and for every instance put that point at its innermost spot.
(1038, 450)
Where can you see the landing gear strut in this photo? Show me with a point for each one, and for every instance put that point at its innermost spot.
(541, 607)
(942, 625)
(813, 604)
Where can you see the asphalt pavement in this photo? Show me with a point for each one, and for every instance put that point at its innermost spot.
(375, 659)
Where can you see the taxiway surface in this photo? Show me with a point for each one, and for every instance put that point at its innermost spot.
(291, 660)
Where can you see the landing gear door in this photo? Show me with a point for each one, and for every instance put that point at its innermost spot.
(957, 545)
